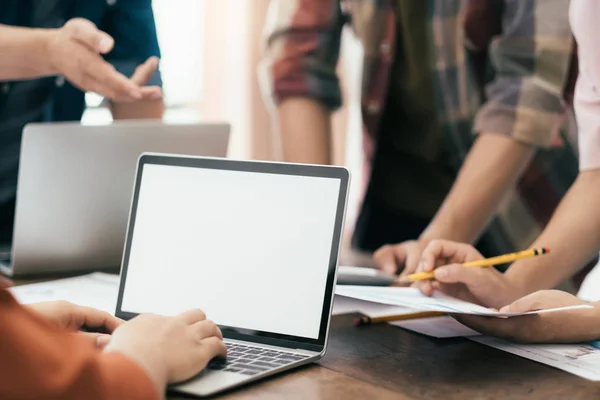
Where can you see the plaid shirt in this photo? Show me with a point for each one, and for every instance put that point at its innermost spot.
(525, 45)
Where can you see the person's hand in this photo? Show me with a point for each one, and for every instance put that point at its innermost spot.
(170, 349)
(67, 316)
(401, 258)
(75, 51)
(485, 286)
(142, 76)
(569, 326)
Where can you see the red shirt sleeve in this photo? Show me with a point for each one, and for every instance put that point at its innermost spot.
(38, 361)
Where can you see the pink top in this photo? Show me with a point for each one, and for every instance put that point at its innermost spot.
(585, 23)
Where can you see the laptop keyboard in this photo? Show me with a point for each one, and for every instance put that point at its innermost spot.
(249, 360)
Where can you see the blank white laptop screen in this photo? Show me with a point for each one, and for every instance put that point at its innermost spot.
(250, 249)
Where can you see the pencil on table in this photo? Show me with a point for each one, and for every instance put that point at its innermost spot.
(486, 262)
(365, 320)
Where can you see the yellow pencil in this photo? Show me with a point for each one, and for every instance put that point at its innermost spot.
(401, 317)
(487, 262)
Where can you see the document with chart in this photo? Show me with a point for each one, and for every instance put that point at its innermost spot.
(578, 359)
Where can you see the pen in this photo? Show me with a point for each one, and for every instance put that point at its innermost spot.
(365, 320)
(487, 262)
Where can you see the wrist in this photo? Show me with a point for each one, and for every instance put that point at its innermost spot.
(518, 286)
(434, 232)
(444, 226)
(44, 40)
(537, 273)
(524, 278)
(154, 369)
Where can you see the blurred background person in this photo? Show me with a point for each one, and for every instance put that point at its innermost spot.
(433, 73)
(73, 59)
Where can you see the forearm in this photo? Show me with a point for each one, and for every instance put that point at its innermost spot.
(594, 323)
(573, 235)
(39, 361)
(24, 53)
(490, 170)
(143, 109)
(305, 131)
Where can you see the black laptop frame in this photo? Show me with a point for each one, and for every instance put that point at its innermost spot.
(268, 338)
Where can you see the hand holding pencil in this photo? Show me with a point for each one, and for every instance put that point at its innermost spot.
(483, 263)
(462, 257)
(475, 282)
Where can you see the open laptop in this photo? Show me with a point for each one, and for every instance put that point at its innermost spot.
(253, 244)
(74, 189)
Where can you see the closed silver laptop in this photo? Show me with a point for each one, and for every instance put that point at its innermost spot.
(74, 189)
(253, 244)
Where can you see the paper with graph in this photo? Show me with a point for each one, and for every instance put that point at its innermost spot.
(579, 359)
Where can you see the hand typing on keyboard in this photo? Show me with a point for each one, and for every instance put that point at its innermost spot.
(251, 360)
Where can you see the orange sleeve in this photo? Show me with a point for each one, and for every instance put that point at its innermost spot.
(38, 361)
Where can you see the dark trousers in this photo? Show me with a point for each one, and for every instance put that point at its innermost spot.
(378, 225)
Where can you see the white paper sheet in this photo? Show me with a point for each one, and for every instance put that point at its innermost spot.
(413, 298)
(579, 359)
(347, 305)
(97, 290)
(438, 327)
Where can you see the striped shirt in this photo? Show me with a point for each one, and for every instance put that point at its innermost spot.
(503, 67)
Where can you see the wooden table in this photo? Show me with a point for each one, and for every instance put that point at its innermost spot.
(386, 362)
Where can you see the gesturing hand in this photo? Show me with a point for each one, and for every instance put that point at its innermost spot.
(75, 51)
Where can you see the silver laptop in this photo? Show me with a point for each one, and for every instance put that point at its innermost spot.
(74, 189)
(253, 244)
